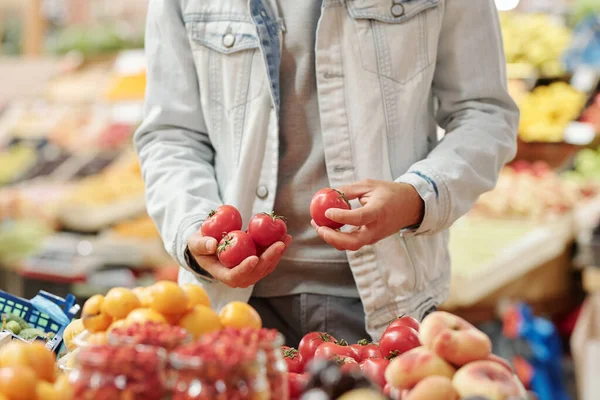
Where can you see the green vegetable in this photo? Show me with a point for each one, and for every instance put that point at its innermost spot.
(31, 334)
(13, 317)
(14, 327)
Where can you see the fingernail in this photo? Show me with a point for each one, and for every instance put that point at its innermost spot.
(280, 249)
(253, 262)
(210, 245)
(329, 213)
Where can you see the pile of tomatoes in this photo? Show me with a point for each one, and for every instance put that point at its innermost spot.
(371, 359)
(235, 245)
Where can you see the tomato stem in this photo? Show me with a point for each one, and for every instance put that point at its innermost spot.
(290, 353)
(343, 196)
(211, 213)
(363, 342)
(342, 342)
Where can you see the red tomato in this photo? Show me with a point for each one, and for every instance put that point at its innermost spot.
(222, 221)
(309, 343)
(365, 350)
(322, 201)
(374, 369)
(398, 340)
(293, 359)
(266, 229)
(296, 383)
(405, 320)
(328, 350)
(346, 364)
(234, 248)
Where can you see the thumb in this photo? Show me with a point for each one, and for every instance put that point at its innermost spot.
(202, 245)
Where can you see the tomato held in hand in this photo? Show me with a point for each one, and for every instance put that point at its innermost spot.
(296, 384)
(322, 201)
(310, 342)
(374, 369)
(365, 350)
(293, 358)
(234, 248)
(222, 221)
(398, 340)
(266, 229)
(405, 320)
(327, 351)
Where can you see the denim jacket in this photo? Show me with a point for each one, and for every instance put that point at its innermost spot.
(388, 73)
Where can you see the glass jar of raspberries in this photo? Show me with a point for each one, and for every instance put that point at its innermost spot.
(218, 370)
(123, 372)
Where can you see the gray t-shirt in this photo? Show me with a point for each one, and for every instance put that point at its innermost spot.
(309, 265)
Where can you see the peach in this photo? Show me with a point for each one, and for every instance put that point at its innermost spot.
(485, 378)
(502, 361)
(454, 339)
(408, 369)
(433, 388)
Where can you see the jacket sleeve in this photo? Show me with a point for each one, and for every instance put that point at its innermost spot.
(476, 111)
(175, 152)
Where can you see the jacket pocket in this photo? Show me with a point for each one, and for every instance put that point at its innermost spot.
(227, 58)
(397, 39)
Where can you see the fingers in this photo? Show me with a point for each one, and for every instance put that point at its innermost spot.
(356, 189)
(352, 240)
(202, 245)
(357, 217)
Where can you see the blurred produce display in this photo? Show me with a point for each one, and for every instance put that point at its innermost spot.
(547, 110)
(538, 40)
(592, 114)
(95, 40)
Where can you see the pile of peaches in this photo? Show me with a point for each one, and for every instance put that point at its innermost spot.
(454, 361)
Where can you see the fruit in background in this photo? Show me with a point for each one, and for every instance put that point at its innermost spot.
(94, 320)
(327, 350)
(18, 383)
(296, 383)
(33, 355)
(71, 331)
(167, 273)
(293, 359)
(196, 295)
(433, 388)
(361, 394)
(454, 339)
(310, 342)
(501, 361)
(547, 110)
(408, 369)
(234, 248)
(266, 229)
(374, 369)
(200, 320)
(485, 378)
(121, 323)
(167, 298)
(142, 315)
(14, 327)
(346, 364)
(221, 221)
(119, 302)
(237, 314)
(405, 320)
(365, 350)
(398, 339)
(322, 201)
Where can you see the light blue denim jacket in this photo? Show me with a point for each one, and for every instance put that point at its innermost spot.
(388, 72)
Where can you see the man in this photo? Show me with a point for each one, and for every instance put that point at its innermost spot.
(260, 103)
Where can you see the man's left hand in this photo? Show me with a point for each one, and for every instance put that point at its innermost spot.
(387, 208)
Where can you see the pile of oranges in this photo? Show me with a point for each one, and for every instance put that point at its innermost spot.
(165, 302)
(27, 372)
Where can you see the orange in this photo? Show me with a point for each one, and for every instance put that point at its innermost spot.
(121, 323)
(196, 295)
(200, 320)
(63, 387)
(34, 355)
(94, 320)
(142, 315)
(119, 302)
(18, 383)
(46, 391)
(143, 295)
(240, 315)
(167, 298)
(3, 397)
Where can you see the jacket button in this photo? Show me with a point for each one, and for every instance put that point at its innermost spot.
(228, 40)
(397, 10)
(262, 192)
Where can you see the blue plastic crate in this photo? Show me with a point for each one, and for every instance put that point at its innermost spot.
(23, 308)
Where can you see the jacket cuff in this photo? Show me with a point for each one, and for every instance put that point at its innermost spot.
(429, 190)
(187, 228)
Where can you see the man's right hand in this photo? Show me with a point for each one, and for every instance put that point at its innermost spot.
(250, 271)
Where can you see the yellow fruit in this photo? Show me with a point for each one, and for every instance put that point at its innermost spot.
(174, 319)
(196, 295)
(168, 298)
(46, 391)
(119, 302)
(96, 339)
(200, 320)
(63, 387)
(72, 330)
(94, 320)
(3, 397)
(35, 356)
(142, 315)
(18, 383)
(121, 323)
(240, 315)
(143, 295)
